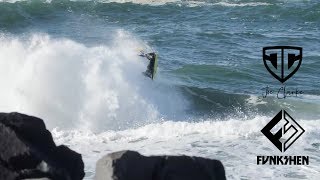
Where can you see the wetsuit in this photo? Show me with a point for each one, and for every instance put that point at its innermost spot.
(152, 58)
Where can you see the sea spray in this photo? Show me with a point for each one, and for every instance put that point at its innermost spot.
(71, 85)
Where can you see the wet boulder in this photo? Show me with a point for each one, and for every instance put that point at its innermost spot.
(27, 151)
(130, 165)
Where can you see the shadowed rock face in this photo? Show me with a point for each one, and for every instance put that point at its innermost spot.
(27, 151)
(130, 165)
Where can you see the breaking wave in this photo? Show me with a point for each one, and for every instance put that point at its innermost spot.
(72, 85)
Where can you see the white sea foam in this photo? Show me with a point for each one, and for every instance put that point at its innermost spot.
(255, 100)
(190, 3)
(235, 142)
(237, 4)
(149, 2)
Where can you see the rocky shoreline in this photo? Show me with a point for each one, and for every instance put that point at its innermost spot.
(27, 151)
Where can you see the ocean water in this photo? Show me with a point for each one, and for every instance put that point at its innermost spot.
(75, 65)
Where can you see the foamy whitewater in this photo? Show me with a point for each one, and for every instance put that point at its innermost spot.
(75, 64)
(72, 85)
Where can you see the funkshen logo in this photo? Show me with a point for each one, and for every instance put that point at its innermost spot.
(284, 61)
(288, 133)
(283, 131)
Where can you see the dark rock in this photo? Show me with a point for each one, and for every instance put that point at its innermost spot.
(130, 165)
(27, 151)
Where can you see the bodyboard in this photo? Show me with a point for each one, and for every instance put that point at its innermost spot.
(155, 66)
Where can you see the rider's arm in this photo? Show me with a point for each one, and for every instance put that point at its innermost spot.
(147, 55)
